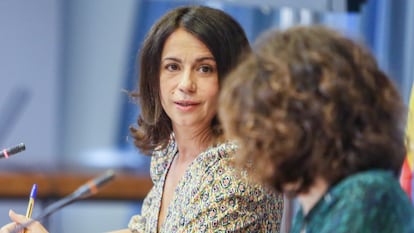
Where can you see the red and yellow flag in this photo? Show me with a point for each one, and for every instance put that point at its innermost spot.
(406, 178)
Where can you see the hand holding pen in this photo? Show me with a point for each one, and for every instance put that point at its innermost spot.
(18, 219)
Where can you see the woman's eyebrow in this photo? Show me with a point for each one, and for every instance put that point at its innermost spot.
(171, 59)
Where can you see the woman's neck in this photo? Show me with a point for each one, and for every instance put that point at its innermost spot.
(309, 199)
(191, 143)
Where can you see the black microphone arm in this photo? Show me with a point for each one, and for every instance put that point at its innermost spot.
(5, 153)
(89, 188)
(92, 186)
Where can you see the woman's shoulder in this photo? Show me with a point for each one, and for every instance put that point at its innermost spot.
(217, 168)
(217, 157)
(223, 150)
(373, 194)
(376, 181)
(221, 183)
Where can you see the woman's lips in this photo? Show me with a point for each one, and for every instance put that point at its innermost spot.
(186, 105)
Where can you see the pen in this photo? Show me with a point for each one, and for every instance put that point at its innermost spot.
(31, 202)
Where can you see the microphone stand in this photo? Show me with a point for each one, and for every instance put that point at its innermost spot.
(86, 190)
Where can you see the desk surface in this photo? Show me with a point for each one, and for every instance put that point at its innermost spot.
(124, 186)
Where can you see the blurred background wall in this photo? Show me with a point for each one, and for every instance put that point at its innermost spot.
(64, 66)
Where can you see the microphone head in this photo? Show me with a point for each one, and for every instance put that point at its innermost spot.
(92, 186)
(104, 178)
(13, 150)
(19, 148)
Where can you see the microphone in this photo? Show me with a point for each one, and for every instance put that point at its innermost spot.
(89, 188)
(5, 153)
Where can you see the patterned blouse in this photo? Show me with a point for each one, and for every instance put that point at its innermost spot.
(210, 197)
(367, 202)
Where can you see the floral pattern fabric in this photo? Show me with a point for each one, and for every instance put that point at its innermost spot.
(210, 197)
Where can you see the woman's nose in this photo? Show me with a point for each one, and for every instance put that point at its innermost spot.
(187, 82)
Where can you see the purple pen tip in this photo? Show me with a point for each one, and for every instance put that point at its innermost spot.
(34, 191)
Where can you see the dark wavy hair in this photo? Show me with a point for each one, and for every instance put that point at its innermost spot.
(223, 36)
(312, 103)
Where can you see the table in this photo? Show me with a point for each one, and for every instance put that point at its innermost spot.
(58, 184)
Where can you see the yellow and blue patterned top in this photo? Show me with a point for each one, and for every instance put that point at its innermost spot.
(210, 197)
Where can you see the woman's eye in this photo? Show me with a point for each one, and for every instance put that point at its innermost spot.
(205, 69)
(172, 67)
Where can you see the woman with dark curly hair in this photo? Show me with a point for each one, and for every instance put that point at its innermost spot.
(317, 119)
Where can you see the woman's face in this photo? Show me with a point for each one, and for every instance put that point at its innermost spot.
(188, 81)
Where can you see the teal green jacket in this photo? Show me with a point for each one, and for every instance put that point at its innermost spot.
(367, 202)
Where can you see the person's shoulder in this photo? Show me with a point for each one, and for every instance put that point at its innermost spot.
(219, 155)
(224, 150)
(368, 187)
(369, 183)
(368, 201)
(376, 198)
(220, 170)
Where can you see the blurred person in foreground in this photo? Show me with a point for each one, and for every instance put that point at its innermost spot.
(317, 119)
(184, 58)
